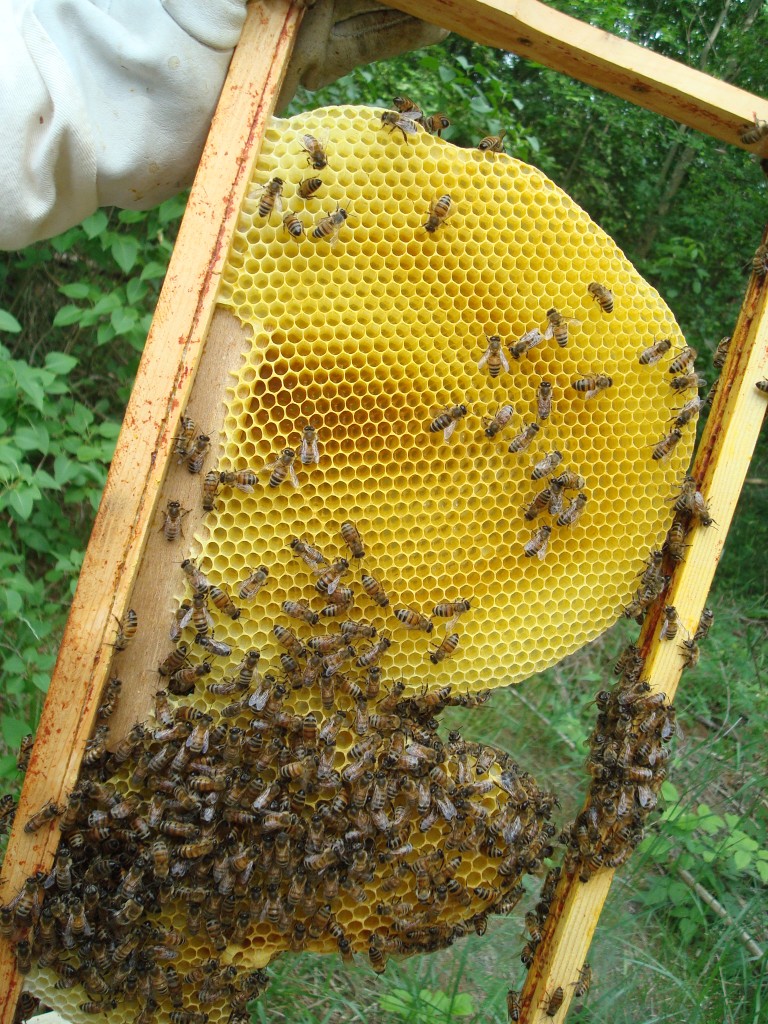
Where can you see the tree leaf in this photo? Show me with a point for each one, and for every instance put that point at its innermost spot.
(32, 437)
(95, 224)
(68, 315)
(8, 322)
(60, 363)
(125, 249)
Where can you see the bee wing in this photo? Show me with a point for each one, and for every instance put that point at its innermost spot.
(543, 550)
(245, 488)
(484, 359)
(406, 124)
(294, 478)
(412, 115)
(546, 335)
(333, 585)
(186, 618)
(448, 431)
(504, 361)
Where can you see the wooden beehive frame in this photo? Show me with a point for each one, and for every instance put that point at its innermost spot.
(186, 332)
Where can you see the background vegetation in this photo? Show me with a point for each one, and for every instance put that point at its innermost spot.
(689, 212)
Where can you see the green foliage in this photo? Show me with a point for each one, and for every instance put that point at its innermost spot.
(77, 310)
(426, 1006)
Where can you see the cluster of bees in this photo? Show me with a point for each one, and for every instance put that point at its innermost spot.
(256, 819)
(627, 762)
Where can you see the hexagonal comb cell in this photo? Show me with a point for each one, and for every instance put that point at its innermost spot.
(441, 472)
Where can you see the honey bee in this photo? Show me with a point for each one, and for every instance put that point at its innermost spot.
(436, 124)
(690, 653)
(514, 1006)
(445, 649)
(495, 425)
(47, 813)
(654, 352)
(544, 400)
(592, 384)
(688, 411)
(341, 599)
(197, 579)
(126, 629)
(307, 187)
(439, 212)
(183, 682)
(666, 445)
(675, 545)
(301, 610)
(183, 440)
(705, 624)
(547, 465)
(308, 450)
(557, 327)
(581, 987)
(524, 344)
(753, 133)
(762, 385)
(330, 576)
(524, 438)
(492, 143)
(718, 359)
(330, 225)
(312, 556)
(375, 590)
(196, 454)
(282, 468)
(315, 151)
(210, 490)
(224, 602)
(602, 295)
(571, 514)
(686, 381)
(447, 420)
(570, 481)
(760, 261)
(537, 506)
(404, 121)
(494, 357)
(671, 623)
(352, 539)
(538, 543)
(288, 639)
(213, 646)
(374, 652)
(27, 742)
(252, 584)
(244, 480)
(450, 610)
(555, 1001)
(293, 224)
(413, 620)
(271, 197)
(684, 360)
(174, 660)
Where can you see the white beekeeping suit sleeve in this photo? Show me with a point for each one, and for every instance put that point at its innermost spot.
(104, 102)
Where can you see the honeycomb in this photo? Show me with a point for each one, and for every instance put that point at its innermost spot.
(375, 339)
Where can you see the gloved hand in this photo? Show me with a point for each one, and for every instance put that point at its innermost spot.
(339, 35)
